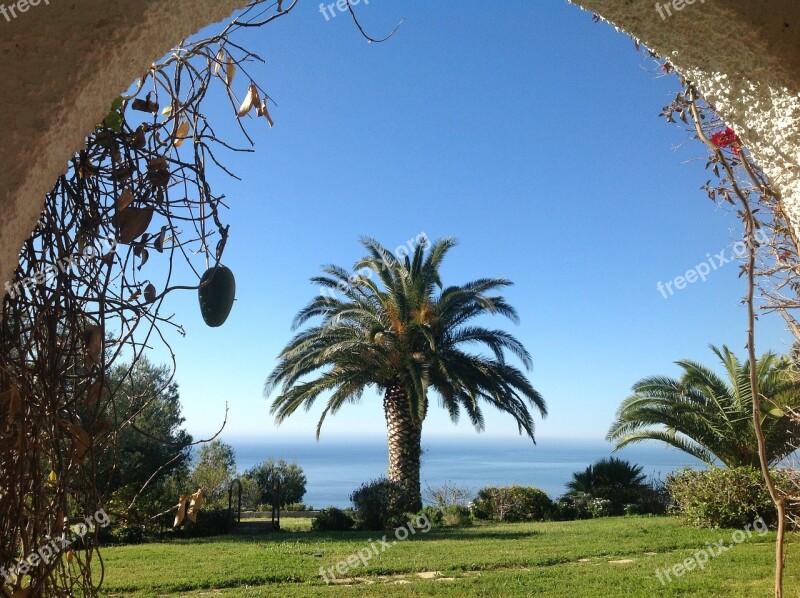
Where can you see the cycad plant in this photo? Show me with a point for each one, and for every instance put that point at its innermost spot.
(710, 417)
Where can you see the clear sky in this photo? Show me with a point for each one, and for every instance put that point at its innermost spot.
(525, 130)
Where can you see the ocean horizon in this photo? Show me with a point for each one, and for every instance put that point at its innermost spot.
(335, 466)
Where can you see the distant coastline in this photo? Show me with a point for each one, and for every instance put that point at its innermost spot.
(337, 465)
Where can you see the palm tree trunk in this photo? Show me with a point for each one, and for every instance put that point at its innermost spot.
(405, 445)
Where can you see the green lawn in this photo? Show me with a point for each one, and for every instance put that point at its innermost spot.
(591, 559)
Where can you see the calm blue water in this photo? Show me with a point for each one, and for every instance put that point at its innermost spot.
(337, 466)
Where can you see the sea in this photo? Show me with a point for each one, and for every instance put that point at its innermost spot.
(336, 466)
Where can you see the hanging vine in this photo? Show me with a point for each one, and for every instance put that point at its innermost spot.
(80, 302)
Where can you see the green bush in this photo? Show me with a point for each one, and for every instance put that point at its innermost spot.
(511, 503)
(724, 497)
(379, 504)
(456, 516)
(130, 535)
(332, 520)
(297, 506)
(434, 514)
(569, 508)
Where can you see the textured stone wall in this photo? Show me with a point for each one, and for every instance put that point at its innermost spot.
(63, 61)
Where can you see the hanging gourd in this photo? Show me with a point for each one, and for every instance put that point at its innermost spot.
(216, 293)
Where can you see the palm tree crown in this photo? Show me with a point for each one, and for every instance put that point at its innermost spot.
(397, 329)
(709, 417)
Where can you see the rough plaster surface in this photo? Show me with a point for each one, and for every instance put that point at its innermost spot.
(62, 62)
(61, 65)
(743, 56)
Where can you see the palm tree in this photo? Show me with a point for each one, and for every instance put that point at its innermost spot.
(711, 418)
(405, 335)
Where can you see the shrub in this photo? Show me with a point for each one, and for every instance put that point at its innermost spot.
(456, 516)
(449, 494)
(379, 504)
(130, 535)
(724, 497)
(569, 508)
(601, 507)
(332, 520)
(511, 503)
(434, 514)
(297, 506)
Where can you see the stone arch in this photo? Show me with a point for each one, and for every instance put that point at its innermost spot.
(742, 57)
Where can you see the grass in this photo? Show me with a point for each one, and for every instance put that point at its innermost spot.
(571, 559)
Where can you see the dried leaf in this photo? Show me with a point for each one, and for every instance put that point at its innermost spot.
(139, 140)
(14, 403)
(250, 100)
(122, 173)
(159, 163)
(230, 71)
(80, 440)
(158, 171)
(70, 556)
(181, 133)
(194, 505)
(145, 105)
(23, 593)
(218, 60)
(93, 340)
(262, 111)
(140, 252)
(159, 242)
(94, 394)
(181, 510)
(150, 293)
(124, 200)
(132, 222)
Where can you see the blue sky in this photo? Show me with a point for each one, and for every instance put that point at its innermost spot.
(528, 132)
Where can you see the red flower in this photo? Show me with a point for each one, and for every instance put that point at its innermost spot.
(727, 138)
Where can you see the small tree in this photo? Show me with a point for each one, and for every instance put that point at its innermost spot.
(214, 469)
(290, 476)
(449, 494)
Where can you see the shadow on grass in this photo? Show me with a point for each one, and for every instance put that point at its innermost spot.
(303, 537)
